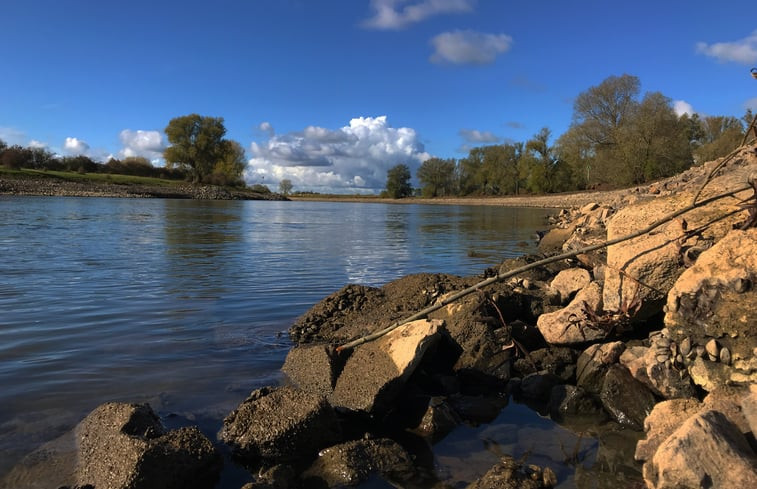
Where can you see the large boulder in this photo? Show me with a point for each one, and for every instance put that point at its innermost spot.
(280, 424)
(713, 308)
(574, 323)
(125, 446)
(350, 463)
(511, 474)
(707, 450)
(665, 418)
(313, 368)
(376, 371)
(593, 363)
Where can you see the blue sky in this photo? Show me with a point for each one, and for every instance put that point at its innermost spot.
(330, 94)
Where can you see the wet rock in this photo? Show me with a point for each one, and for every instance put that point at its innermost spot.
(351, 463)
(570, 401)
(511, 474)
(280, 424)
(626, 399)
(568, 282)
(313, 368)
(376, 371)
(477, 409)
(555, 360)
(125, 446)
(439, 420)
(280, 476)
(665, 418)
(538, 387)
(593, 363)
(572, 324)
(707, 450)
(710, 306)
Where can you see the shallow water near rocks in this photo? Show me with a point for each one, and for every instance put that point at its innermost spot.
(185, 305)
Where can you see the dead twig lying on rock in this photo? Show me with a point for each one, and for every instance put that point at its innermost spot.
(563, 256)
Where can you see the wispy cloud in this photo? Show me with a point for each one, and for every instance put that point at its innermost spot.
(743, 51)
(397, 14)
(515, 125)
(75, 146)
(469, 47)
(474, 136)
(353, 158)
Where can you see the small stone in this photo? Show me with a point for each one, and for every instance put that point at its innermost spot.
(712, 347)
(549, 477)
(685, 346)
(663, 342)
(662, 358)
(725, 356)
(742, 285)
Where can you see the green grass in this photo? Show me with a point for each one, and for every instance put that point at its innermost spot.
(89, 177)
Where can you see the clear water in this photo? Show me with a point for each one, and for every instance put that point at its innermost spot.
(185, 304)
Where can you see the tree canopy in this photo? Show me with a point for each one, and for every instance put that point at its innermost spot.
(198, 145)
(398, 182)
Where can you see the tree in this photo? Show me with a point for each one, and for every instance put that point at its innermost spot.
(398, 182)
(230, 166)
(196, 144)
(285, 186)
(437, 176)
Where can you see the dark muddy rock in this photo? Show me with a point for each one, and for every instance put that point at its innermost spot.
(527, 335)
(313, 368)
(351, 463)
(357, 310)
(594, 362)
(511, 474)
(438, 421)
(567, 401)
(125, 446)
(712, 309)
(626, 399)
(478, 409)
(280, 424)
(538, 387)
(707, 450)
(555, 360)
(376, 372)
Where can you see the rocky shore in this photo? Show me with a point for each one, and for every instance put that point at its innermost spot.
(51, 186)
(652, 337)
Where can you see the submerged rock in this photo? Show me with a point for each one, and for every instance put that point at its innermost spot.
(511, 474)
(349, 464)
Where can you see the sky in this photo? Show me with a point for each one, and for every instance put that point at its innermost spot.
(330, 94)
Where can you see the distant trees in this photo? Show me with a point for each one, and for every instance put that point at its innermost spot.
(618, 140)
(398, 182)
(438, 177)
(285, 186)
(198, 145)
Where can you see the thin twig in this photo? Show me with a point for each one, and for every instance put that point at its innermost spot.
(502, 276)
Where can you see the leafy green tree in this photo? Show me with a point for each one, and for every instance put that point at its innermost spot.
(285, 186)
(230, 165)
(398, 182)
(437, 177)
(720, 136)
(14, 157)
(197, 144)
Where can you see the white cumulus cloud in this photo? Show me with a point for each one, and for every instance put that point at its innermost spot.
(148, 144)
(474, 136)
(742, 51)
(396, 14)
(75, 146)
(353, 158)
(682, 107)
(469, 47)
(266, 128)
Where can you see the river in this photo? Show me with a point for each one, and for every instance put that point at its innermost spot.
(185, 304)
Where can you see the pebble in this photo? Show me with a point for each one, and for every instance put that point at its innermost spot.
(713, 349)
(685, 346)
(725, 356)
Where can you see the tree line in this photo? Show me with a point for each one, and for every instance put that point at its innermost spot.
(198, 152)
(616, 139)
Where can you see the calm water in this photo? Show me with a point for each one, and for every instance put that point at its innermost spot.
(182, 304)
